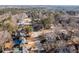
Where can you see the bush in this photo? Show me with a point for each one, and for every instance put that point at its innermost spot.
(28, 28)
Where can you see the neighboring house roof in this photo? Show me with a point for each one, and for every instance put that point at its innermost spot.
(8, 45)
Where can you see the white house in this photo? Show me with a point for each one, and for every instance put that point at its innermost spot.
(26, 21)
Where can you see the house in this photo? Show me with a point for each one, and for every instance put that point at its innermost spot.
(26, 21)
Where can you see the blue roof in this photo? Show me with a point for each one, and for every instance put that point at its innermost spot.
(17, 41)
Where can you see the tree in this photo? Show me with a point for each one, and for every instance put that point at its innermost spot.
(46, 23)
(8, 25)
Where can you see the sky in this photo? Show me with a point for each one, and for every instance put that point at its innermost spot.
(39, 2)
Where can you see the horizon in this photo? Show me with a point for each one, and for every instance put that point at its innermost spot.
(50, 7)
